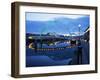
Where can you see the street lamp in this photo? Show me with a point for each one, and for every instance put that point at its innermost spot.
(79, 29)
(79, 55)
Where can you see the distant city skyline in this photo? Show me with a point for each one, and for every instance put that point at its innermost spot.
(65, 24)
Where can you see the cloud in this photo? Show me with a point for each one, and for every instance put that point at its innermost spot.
(49, 16)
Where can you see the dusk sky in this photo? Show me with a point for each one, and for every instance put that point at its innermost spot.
(42, 23)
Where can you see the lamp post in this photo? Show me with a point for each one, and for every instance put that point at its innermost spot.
(79, 30)
(79, 55)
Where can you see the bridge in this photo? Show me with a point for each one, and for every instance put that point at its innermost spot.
(37, 41)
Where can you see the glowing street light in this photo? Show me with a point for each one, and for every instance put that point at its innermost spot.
(79, 28)
(79, 25)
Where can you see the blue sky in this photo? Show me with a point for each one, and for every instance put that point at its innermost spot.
(56, 23)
